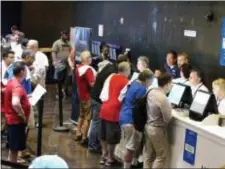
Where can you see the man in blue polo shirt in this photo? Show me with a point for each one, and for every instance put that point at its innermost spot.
(130, 142)
(171, 64)
(28, 59)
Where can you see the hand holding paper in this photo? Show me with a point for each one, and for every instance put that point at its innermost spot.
(38, 92)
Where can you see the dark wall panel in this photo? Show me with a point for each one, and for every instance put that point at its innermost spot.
(10, 15)
(152, 28)
(43, 20)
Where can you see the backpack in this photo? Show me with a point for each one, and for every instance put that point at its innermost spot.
(140, 113)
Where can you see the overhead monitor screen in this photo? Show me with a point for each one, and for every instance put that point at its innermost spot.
(95, 48)
(113, 51)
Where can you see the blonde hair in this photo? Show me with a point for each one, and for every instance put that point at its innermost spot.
(220, 83)
(84, 55)
(145, 60)
(123, 67)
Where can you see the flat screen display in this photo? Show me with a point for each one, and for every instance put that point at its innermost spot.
(95, 48)
(176, 94)
(113, 51)
(200, 102)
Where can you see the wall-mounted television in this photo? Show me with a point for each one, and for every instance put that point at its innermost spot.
(96, 48)
(114, 51)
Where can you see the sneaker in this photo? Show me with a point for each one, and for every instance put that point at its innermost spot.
(84, 142)
(109, 163)
(78, 138)
(139, 165)
(102, 160)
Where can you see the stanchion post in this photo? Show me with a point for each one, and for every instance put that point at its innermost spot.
(60, 105)
(61, 127)
(40, 125)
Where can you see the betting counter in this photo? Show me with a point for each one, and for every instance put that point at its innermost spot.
(195, 144)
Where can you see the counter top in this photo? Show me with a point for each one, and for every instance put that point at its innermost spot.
(202, 128)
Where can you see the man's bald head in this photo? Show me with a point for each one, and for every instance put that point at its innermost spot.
(124, 68)
(33, 45)
(86, 57)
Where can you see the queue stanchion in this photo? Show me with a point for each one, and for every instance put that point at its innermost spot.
(40, 125)
(61, 127)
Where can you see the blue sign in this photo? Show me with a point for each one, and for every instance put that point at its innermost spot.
(222, 49)
(190, 146)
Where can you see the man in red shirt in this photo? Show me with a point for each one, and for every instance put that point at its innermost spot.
(17, 111)
(8, 59)
(109, 113)
(85, 78)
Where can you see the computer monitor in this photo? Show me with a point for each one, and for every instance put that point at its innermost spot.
(180, 95)
(96, 48)
(114, 51)
(203, 104)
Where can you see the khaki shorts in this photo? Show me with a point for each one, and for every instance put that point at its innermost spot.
(85, 110)
(131, 137)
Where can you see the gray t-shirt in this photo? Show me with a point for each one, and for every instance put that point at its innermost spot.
(62, 50)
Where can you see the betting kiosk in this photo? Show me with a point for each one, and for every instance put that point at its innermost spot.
(203, 104)
(180, 96)
(195, 138)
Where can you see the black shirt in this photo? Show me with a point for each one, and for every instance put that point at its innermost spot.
(100, 79)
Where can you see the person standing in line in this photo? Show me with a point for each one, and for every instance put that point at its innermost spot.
(131, 138)
(60, 53)
(14, 30)
(94, 130)
(109, 112)
(142, 64)
(85, 79)
(8, 59)
(28, 60)
(17, 46)
(17, 111)
(41, 60)
(159, 113)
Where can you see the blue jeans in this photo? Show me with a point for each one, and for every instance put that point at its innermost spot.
(93, 141)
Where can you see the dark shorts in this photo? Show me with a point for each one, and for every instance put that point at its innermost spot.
(60, 75)
(17, 137)
(110, 132)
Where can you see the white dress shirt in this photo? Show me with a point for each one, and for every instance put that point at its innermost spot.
(200, 86)
(41, 59)
(221, 106)
(18, 52)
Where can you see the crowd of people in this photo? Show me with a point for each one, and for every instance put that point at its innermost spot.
(23, 67)
(107, 95)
